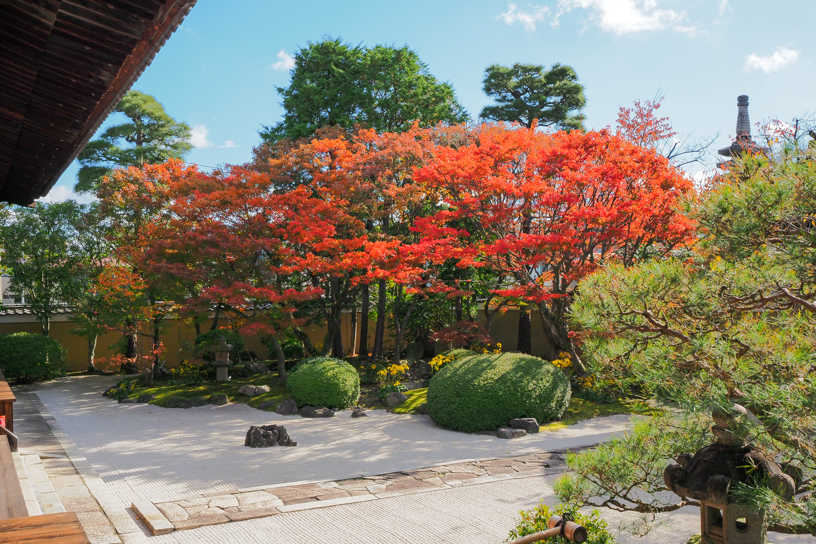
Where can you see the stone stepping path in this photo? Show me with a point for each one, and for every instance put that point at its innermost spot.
(203, 510)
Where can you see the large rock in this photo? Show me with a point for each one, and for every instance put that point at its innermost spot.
(257, 368)
(147, 397)
(253, 390)
(199, 401)
(358, 412)
(219, 399)
(287, 408)
(509, 432)
(125, 400)
(529, 424)
(264, 436)
(395, 399)
(178, 402)
(266, 405)
(316, 411)
(422, 409)
(414, 352)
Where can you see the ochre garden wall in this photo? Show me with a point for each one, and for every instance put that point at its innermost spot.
(178, 336)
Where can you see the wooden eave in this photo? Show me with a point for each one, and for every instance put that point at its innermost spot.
(64, 65)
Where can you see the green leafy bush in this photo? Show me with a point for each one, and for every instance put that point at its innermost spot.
(28, 358)
(534, 521)
(487, 391)
(204, 344)
(324, 381)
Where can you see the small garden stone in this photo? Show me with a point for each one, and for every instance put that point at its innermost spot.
(199, 401)
(395, 399)
(257, 368)
(358, 412)
(264, 436)
(509, 432)
(287, 408)
(316, 411)
(422, 409)
(253, 390)
(124, 400)
(266, 405)
(219, 399)
(147, 397)
(529, 424)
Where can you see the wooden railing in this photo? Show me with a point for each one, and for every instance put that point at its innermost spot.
(7, 400)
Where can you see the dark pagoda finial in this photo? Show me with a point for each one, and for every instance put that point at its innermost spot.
(743, 141)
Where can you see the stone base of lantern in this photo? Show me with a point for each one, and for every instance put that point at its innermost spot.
(731, 524)
(221, 374)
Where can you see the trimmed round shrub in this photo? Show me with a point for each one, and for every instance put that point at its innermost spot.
(483, 392)
(28, 358)
(325, 382)
(204, 344)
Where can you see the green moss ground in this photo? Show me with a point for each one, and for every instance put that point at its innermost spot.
(164, 391)
(415, 398)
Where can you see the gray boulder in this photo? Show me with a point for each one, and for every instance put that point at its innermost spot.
(287, 408)
(257, 368)
(123, 400)
(178, 402)
(358, 412)
(395, 399)
(509, 432)
(414, 352)
(316, 411)
(529, 424)
(422, 409)
(253, 390)
(147, 397)
(219, 399)
(264, 436)
(199, 401)
(410, 386)
(266, 405)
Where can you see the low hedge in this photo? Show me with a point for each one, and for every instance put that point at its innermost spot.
(483, 392)
(325, 382)
(28, 358)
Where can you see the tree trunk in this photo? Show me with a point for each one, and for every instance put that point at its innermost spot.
(457, 317)
(525, 340)
(156, 340)
(353, 343)
(363, 351)
(400, 325)
(557, 334)
(379, 332)
(311, 351)
(281, 359)
(91, 352)
(337, 341)
(214, 325)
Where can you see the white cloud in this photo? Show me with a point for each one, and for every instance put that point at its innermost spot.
(771, 63)
(61, 193)
(198, 136)
(628, 16)
(286, 62)
(723, 5)
(527, 19)
(228, 143)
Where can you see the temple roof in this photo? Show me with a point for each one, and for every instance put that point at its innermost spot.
(64, 65)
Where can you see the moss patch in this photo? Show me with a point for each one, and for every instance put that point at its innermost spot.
(164, 391)
(580, 409)
(415, 398)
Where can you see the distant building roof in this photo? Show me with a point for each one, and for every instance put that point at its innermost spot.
(64, 65)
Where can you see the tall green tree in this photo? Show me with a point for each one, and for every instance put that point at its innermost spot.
(39, 253)
(527, 92)
(385, 88)
(149, 136)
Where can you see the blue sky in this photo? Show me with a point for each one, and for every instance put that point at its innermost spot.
(219, 71)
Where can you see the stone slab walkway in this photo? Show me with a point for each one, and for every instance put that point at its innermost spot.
(209, 509)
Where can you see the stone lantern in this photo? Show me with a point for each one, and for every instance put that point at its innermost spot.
(222, 351)
(708, 475)
(742, 142)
